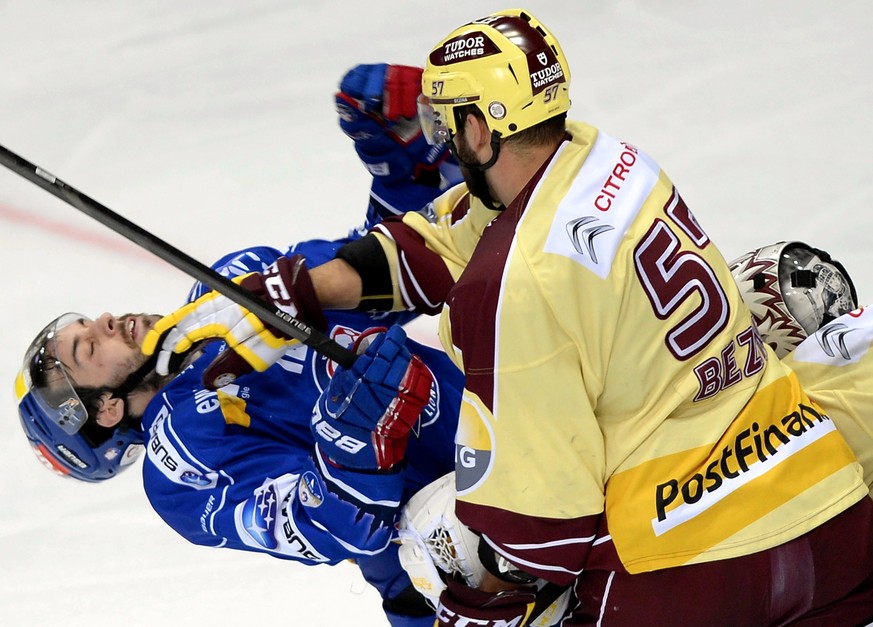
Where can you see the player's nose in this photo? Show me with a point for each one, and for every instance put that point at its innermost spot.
(107, 324)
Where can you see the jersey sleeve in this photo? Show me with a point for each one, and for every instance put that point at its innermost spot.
(427, 251)
(319, 517)
(388, 200)
(237, 263)
(217, 487)
(316, 252)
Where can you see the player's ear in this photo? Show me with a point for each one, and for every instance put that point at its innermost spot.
(476, 131)
(111, 411)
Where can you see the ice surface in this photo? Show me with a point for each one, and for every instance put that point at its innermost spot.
(212, 125)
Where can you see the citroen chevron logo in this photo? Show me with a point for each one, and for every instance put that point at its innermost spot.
(832, 340)
(582, 232)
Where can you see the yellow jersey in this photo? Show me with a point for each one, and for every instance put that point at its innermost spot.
(612, 368)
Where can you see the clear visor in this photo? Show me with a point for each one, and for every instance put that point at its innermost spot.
(47, 379)
(435, 131)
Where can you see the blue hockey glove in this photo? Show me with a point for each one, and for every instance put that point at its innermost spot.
(376, 105)
(363, 419)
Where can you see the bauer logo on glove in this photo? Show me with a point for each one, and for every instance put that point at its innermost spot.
(363, 419)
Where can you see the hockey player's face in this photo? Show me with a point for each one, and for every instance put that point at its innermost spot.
(103, 352)
(475, 179)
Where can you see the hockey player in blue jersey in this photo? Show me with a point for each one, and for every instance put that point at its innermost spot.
(238, 466)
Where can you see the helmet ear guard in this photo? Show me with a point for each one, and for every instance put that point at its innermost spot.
(75, 456)
(792, 290)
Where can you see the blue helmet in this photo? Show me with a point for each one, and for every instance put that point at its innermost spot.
(55, 417)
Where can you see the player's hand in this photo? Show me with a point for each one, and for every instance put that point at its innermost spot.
(390, 91)
(377, 108)
(363, 419)
(252, 344)
(462, 605)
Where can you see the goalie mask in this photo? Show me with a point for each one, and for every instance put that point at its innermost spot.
(55, 416)
(507, 64)
(792, 290)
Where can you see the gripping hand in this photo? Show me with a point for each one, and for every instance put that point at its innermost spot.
(253, 345)
(461, 605)
(377, 108)
(363, 419)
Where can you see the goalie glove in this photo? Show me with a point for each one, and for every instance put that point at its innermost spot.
(254, 345)
(436, 546)
(377, 109)
(434, 543)
(363, 419)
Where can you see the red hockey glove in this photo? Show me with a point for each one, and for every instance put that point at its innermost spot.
(463, 606)
(255, 345)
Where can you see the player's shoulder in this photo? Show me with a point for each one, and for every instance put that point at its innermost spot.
(454, 202)
(183, 443)
(845, 340)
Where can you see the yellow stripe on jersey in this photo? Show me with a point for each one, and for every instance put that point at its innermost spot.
(670, 510)
(233, 409)
(835, 366)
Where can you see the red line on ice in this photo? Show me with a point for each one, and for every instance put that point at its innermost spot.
(82, 236)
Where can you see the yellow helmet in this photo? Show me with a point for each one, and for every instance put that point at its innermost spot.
(507, 64)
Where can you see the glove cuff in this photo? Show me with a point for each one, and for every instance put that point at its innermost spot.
(294, 272)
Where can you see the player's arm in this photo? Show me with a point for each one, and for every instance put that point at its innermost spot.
(302, 510)
(367, 274)
(342, 514)
(263, 494)
(339, 285)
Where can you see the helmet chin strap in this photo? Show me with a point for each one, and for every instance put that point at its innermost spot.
(134, 379)
(479, 167)
(130, 384)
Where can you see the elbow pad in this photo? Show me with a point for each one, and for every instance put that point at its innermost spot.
(368, 259)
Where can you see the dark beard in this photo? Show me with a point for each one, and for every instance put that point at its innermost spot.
(474, 178)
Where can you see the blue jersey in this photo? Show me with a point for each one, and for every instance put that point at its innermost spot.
(236, 467)
(394, 199)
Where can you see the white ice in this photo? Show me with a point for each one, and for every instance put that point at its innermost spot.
(211, 124)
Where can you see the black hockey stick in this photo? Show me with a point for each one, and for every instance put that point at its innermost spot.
(269, 314)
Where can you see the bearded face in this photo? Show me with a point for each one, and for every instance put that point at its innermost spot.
(472, 171)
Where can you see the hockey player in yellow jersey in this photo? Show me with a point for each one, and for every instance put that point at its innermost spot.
(624, 428)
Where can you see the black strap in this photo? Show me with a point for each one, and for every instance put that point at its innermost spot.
(410, 602)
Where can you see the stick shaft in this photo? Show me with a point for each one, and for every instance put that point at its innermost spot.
(175, 257)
